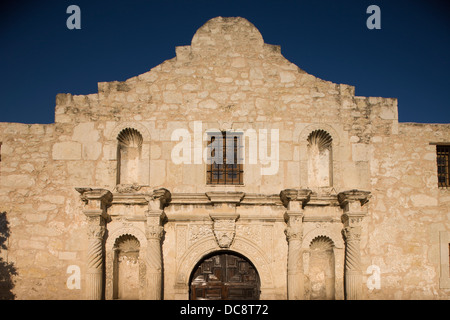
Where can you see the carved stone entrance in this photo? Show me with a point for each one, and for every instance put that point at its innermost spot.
(224, 276)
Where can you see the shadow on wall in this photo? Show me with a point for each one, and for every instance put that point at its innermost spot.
(7, 270)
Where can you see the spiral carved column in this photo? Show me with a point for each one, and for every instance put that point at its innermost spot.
(294, 234)
(153, 262)
(353, 202)
(96, 201)
(294, 201)
(353, 272)
(94, 272)
(154, 233)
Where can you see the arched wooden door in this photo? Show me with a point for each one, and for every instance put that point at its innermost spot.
(224, 276)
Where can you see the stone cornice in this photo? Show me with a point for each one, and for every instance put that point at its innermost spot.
(225, 196)
(163, 197)
(300, 195)
(89, 194)
(130, 198)
(95, 201)
(224, 216)
(353, 195)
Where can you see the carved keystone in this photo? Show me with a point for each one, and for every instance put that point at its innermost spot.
(224, 228)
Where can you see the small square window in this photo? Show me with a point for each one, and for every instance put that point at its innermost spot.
(225, 163)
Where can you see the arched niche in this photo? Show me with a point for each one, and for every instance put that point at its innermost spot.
(127, 271)
(319, 159)
(117, 234)
(129, 154)
(321, 273)
(319, 147)
(127, 140)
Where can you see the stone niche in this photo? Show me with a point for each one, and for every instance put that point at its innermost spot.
(321, 269)
(126, 268)
(320, 161)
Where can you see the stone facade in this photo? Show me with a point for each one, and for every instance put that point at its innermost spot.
(352, 211)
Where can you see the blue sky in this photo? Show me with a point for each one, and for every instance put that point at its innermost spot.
(408, 59)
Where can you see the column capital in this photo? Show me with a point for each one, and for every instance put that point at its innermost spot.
(352, 219)
(295, 199)
(158, 200)
(352, 203)
(96, 201)
(353, 200)
(294, 221)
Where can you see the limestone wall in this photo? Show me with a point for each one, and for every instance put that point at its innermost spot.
(228, 78)
(42, 209)
(407, 212)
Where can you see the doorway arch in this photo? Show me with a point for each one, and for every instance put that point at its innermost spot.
(224, 275)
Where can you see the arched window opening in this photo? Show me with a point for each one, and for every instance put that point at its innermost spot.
(320, 159)
(126, 268)
(128, 156)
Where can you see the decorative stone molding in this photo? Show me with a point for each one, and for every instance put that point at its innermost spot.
(215, 198)
(233, 197)
(130, 198)
(112, 133)
(128, 188)
(224, 228)
(305, 132)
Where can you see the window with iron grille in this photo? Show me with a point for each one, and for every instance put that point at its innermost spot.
(225, 163)
(443, 165)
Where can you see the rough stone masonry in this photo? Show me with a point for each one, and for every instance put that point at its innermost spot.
(96, 208)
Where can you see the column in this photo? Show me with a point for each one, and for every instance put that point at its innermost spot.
(154, 232)
(352, 203)
(96, 202)
(94, 272)
(294, 201)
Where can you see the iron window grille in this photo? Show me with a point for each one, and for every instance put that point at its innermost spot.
(225, 162)
(443, 166)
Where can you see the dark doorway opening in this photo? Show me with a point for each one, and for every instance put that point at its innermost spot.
(224, 275)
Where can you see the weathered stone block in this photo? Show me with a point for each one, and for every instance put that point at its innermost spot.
(68, 150)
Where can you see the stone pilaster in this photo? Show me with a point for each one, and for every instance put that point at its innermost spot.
(294, 201)
(154, 232)
(352, 203)
(96, 202)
